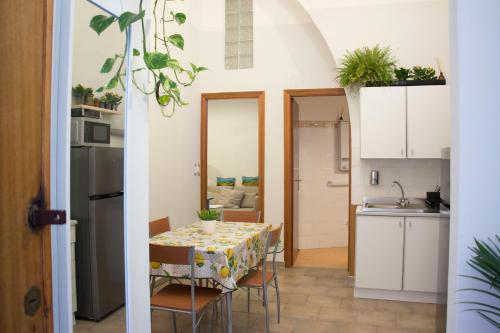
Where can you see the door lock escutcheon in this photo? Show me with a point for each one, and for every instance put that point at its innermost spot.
(32, 301)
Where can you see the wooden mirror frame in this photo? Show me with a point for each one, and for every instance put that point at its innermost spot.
(205, 97)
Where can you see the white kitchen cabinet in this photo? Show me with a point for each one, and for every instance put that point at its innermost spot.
(404, 122)
(379, 252)
(383, 122)
(426, 254)
(428, 118)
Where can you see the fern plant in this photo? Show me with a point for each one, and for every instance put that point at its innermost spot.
(372, 66)
(486, 263)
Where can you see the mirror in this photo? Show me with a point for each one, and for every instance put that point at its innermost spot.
(232, 152)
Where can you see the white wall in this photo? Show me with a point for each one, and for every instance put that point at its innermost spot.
(233, 139)
(89, 52)
(323, 211)
(417, 33)
(475, 32)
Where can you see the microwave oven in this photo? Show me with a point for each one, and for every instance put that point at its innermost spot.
(90, 132)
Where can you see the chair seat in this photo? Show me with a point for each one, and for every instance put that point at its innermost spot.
(178, 297)
(254, 279)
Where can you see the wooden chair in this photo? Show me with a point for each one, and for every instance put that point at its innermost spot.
(180, 298)
(241, 216)
(261, 278)
(159, 226)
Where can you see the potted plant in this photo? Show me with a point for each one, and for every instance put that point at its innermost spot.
(208, 218)
(79, 93)
(113, 100)
(485, 262)
(402, 74)
(367, 67)
(102, 102)
(89, 96)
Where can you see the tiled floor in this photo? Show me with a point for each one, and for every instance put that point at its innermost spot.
(332, 257)
(314, 300)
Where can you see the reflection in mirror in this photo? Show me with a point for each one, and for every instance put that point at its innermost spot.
(97, 161)
(233, 167)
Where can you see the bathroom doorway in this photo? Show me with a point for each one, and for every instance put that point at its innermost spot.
(317, 178)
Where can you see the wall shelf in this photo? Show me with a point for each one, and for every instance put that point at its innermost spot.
(96, 108)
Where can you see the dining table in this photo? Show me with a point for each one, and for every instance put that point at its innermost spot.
(224, 256)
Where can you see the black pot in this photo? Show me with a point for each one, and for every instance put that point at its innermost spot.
(435, 82)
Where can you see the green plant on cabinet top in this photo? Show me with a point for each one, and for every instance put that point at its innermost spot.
(167, 72)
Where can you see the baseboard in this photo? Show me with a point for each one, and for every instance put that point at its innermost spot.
(400, 295)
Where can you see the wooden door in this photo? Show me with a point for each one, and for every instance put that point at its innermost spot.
(379, 252)
(296, 178)
(426, 254)
(429, 121)
(25, 41)
(383, 122)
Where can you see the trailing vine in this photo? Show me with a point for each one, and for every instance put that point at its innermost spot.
(168, 74)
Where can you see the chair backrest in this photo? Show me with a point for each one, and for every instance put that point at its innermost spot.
(159, 226)
(241, 216)
(176, 255)
(272, 241)
(275, 235)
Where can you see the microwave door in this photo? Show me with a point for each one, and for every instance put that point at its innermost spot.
(105, 170)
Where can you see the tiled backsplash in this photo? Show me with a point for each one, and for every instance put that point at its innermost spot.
(417, 176)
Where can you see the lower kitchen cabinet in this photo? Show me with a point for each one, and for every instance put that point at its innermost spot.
(426, 254)
(379, 252)
(402, 254)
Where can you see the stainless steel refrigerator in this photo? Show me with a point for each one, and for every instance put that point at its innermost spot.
(97, 205)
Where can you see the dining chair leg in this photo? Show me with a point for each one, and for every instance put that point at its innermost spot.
(264, 292)
(229, 313)
(222, 300)
(248, 299)
(174, 322)
(193, 322)
(212, 324)
(277, 296)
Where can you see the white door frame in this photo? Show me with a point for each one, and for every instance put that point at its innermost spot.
(136, 179)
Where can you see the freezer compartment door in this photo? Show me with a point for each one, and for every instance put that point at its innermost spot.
(105, 170)
(108, 234)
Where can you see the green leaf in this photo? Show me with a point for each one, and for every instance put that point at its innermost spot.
(108, 65)
(156, 60)
(100, 89)
(135, 52)
(180, 18)
(174, 64)
(197, 69)
(127, 18)
(99, 23)
(162, 78)
(112, 83)
(164, 100)
(201, 69)
(177, 40)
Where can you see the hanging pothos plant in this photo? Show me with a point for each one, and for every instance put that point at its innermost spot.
(167, 72)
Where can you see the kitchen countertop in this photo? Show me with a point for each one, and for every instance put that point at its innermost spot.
(445, 212)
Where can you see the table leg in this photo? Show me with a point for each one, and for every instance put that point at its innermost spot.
(229, 313)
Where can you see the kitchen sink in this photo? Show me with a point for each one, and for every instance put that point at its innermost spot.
(391, 205)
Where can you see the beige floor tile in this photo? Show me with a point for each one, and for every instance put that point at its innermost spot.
(377, 318)
(358, 304)
(394, 306)
(417, 321)
(355, 328)
(323, 300)
(396, 330)
(337, 314)
(317, 326)
(299, 311)
(343, 292)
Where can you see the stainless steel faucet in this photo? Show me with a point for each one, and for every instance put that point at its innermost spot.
(403, 202)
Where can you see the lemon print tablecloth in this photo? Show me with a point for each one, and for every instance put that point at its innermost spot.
(225, 256)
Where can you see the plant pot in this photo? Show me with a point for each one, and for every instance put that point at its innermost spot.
(115, 107)
(96, 102)
(102, 104)
(208, 227)
(89, 100)
(109, 106)
(78, 100)
(436, 82)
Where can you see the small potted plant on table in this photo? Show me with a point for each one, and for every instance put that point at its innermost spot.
(208, 218)
(79, 93)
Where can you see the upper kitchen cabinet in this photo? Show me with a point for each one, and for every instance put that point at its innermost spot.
(428, 114)
(404, 122)
(383, 122)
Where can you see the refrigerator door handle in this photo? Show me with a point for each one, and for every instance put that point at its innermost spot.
(105, 196)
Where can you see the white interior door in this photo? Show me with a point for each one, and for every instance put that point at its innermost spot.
(379, 252)
(383, 122)
(426, 254)
(428, 112)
